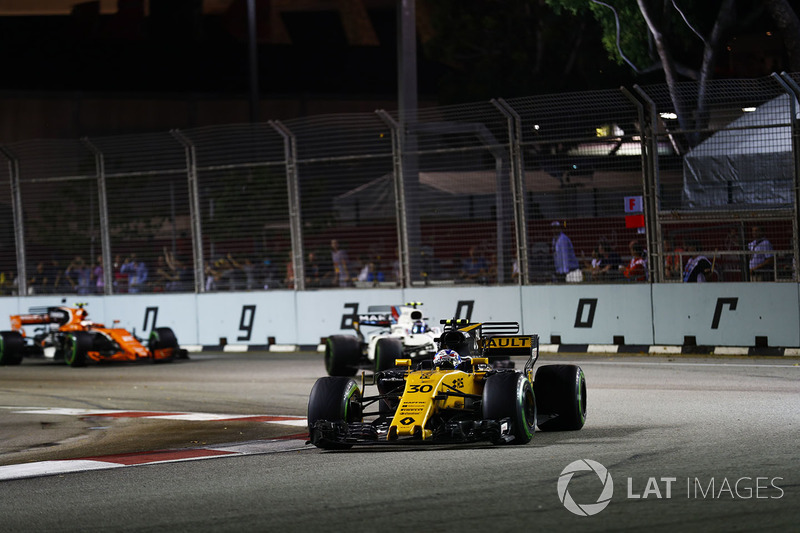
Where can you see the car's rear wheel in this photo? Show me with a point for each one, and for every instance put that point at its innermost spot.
(12, 348)
(510, 395)
(560, 397)
(163, 344)
(386, 351)
(76, 346)
(333, 399)
(342, 354)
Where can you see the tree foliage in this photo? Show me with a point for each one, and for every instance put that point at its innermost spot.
(514, 48)
(681, 38)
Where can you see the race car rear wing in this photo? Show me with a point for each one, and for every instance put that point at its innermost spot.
(498, 339)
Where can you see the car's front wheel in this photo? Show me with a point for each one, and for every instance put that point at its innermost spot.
(510, 395)
(336, 400)
(76, 345)
(163, 344)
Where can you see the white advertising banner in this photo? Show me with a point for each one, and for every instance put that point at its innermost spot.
(709, 314)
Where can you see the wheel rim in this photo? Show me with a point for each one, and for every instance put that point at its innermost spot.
(528, 411)
(69, 349)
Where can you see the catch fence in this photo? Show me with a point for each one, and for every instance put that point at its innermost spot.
(452, 195)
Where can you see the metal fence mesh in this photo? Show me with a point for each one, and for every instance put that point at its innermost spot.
(738, 179)
(647, 183)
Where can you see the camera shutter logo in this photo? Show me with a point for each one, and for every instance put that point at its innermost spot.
(585, 509)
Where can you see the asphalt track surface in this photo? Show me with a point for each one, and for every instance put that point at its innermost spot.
(694, 444)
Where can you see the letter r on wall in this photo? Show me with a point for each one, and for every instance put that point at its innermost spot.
(730, 302)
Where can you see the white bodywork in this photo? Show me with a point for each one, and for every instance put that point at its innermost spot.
(402, 329)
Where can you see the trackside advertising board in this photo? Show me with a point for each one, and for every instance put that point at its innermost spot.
(714, 314)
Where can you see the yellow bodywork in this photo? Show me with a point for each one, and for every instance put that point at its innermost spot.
(425, 394)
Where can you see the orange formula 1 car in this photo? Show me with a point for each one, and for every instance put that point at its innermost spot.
(77, 340)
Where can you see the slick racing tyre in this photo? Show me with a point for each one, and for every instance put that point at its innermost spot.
(509, 395)
(76, 345)
(560, 397)
(12, 348)
(163, 345)
(386, 351)
(335, 400)
(342, 355)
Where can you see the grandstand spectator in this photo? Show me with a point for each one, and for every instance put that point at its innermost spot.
(673, 259)
(224, 267)
(605, 263)
(761, 261)
(698, 269)
(79, 275)
(474, 267)
(137, 273)
(734, 265)
(120, 277)
(55, 276)
(637, 267)
(564, 258)
(8, 284)
(97, 276)
(38, 282)
(211, 276)
(339, 258)
(397, 274)
(313, 274)
(248, 273)
(268, 277)
(163, 275)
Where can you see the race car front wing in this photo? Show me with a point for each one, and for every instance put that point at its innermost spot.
(453, 431)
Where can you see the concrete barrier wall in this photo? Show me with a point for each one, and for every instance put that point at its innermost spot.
(714, 314)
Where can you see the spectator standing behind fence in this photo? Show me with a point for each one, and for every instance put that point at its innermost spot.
(564, 258)
(137, 273)
(699, 268)
(79, 275)
(605, 262)
(288, 280)
(38, 282)
(637, 267)
(54, 274)
(312, 271)
(474, 267)
(673, 261)
(97, 276)
(761, 261)
(339, 259)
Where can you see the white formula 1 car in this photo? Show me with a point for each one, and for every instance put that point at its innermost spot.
(404, 334)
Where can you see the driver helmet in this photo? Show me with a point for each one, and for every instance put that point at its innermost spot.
(420, 327)
(447, 359)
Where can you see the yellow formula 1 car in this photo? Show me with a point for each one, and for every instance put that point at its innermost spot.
(456, 397)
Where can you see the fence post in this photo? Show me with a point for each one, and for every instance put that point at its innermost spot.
(399, 200)
(652, 201)
(19, 224)
(293, 191)
(791, 87)
(105, 236)
(517, 187)
(194, 210)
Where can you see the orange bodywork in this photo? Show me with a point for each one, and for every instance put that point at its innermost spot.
(71, 319)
